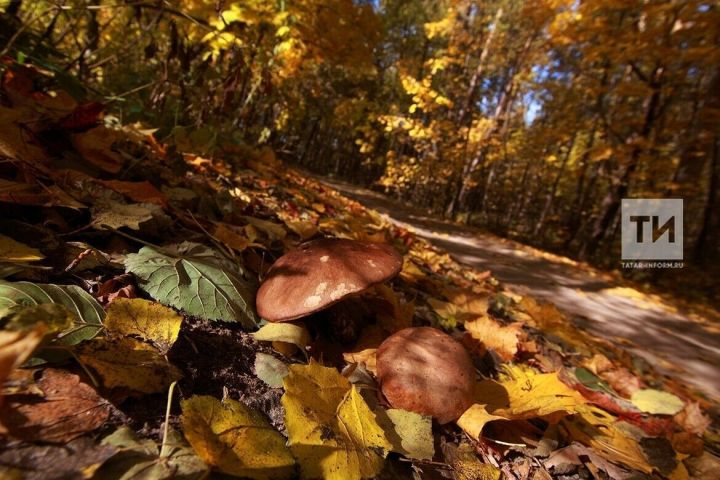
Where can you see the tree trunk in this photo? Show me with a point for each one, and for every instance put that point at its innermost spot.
(553, 191)
(620, 183)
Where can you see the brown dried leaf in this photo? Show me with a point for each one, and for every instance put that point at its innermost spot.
(68, 409)
(78, 459)
(96, 146)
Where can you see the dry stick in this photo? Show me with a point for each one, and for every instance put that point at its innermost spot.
(126, 235)
(164, 445)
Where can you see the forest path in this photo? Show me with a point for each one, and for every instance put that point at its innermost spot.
(682, 346)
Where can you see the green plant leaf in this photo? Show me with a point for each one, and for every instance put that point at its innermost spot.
(196, 279)
(87, 313)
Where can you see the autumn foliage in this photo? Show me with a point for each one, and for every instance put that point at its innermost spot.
(159, 314)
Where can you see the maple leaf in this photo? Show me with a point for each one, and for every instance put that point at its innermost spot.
(501, 339)
(522, 393)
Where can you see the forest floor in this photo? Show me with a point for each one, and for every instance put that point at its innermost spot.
(681, 344)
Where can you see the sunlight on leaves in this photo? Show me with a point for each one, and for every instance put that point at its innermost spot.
(331, 430)
(235, 439)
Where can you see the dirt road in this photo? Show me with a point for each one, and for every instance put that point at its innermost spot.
(672, 342)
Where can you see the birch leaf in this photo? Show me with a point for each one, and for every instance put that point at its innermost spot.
(332, 431)
(235, 439)
(150, 321)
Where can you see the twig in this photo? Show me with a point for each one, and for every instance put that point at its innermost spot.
(164, 445)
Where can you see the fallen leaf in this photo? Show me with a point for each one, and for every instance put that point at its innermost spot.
(501, 339)
(331, 430)
(270, 369)
(466, 465)
(39, 195)
(622, 381)
(475, 418)
(705, 467)
(68, 409)
(74, 460)
(152, 322)
(87, 312)
(571, 455)
(597, 429)
(415, 434)
(283, 332)
(16, 347)
(196, 279)
(15, 252)
(128, 363)
(143, 459)
(453, 313)
(96, 146)
(54, 316)
(692, 420)
(522, 393)
(232, 237)
(305, 229)
(118, 215)
(274, 231)
(235, 439)
(657, 402)
(140, 192)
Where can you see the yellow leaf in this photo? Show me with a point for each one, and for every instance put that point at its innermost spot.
(284, 332)
(232, 237)
(13, 251)
(521, 394)
(235, 439)
(461, 309)
(303, 228)
(414, 432)
(16, 347)
(596, 429)
(548, 318)
(657, 402)
(466, 464)
(128, 363)
(475, 418)
(502, 339)
(150, 321)
(331, 430)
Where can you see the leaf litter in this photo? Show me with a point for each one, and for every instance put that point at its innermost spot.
(162, 289)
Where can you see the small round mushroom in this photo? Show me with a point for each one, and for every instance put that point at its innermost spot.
(322, 273)
(424, 370)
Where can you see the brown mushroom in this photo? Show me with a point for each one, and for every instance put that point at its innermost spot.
(424, 370)
(322, 273)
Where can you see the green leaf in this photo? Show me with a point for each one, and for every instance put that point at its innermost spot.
(270, 370)
(86, 311)
(592, 381)
(140, 460)
(196, 279)
(657, 402)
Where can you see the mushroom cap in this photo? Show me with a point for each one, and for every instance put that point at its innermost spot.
(323, 272)
(426, 371)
